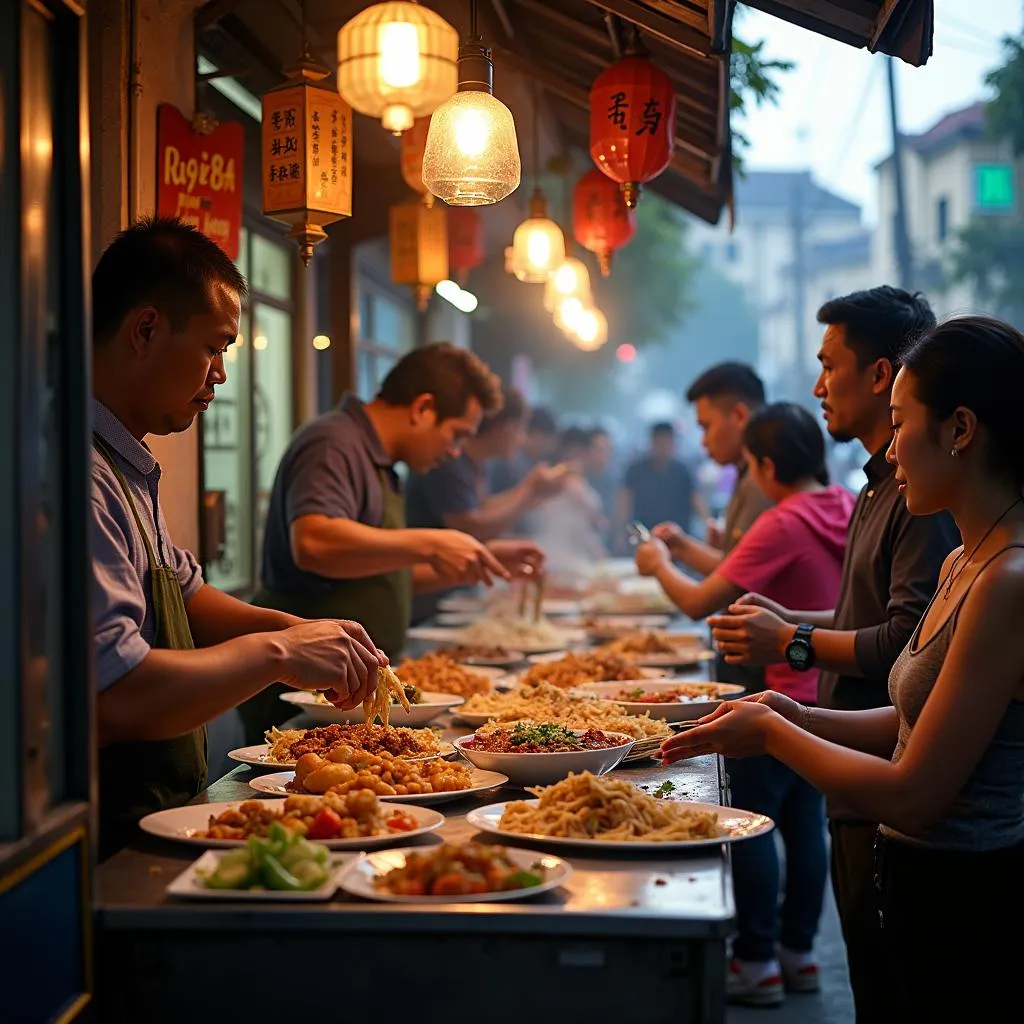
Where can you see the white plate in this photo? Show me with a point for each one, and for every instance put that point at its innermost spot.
(433, 704)
(547, 658)
(737, 825)
(357, 879)
(189, 886)
(498, 664)
(275, 785)
(181, 823)
(455, 635)
(671, 710)
(595, 625)
(258, 755)
(543, 769)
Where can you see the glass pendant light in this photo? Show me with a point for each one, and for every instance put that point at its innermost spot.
(591, 329)
(568, 314)
(472, 154)
(538, 245)
(397, 61)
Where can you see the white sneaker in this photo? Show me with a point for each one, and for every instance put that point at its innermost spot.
(754, 982)
(799, 970)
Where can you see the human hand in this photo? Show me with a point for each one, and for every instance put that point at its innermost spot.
(736, 728)
(520, 557)
(716, 534)
(674, 537)
(463, 559)
(751, 635)
(651, 557)
(333, 655)
(760, 601)
(546, 481)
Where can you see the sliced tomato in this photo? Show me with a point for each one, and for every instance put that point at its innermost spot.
(326, 825)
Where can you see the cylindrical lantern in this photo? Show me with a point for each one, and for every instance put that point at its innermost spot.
(601, 221)
(538, 246)
(307, 156)
(570, 279)
(419, 248)
(397, 61)
(632, 123)
(465, 241)
(413, 143)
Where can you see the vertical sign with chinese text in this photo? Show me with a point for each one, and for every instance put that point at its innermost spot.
(284, 163)
(330, 171)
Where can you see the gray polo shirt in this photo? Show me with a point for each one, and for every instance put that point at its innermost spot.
(124, 629)
(331, 468)
(454, 487)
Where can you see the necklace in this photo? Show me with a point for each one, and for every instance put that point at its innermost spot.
(953, 574)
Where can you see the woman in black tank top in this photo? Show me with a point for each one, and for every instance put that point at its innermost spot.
(943, 769)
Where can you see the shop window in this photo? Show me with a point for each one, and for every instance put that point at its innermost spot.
(387, 330)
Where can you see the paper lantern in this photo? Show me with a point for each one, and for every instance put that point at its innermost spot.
(632, 123)
(419, 248)
(601, 221)
(397, 61)
(465, 241)
(306, 156)
(413, 143)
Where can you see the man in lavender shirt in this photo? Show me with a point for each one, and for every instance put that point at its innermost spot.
(172, 652)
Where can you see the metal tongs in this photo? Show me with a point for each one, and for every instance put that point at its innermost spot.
(638, 533)
(535, 583)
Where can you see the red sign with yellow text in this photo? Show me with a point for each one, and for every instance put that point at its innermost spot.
(199, 177)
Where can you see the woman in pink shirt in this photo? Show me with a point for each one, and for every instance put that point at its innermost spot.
(793, 552)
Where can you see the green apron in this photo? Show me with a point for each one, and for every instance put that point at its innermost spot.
(381, 603)
(139, 778)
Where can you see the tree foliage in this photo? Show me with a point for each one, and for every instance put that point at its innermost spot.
(988, 254)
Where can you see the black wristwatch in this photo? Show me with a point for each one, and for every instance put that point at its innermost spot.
(799, 652)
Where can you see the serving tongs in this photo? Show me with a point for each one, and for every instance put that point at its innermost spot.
(638, 533)
(533, 583)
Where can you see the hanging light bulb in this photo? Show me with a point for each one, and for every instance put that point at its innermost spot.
(591, 329)
(472, 154)
(397, 61)
(570, 279)
(568, 313)
(538, 245)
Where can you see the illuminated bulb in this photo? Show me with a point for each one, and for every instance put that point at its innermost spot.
(570, 279)
(538, 245)
(321, 342)
(399, 65)
(259, 342)
(568, 313)
(591, 330)
(465, 302)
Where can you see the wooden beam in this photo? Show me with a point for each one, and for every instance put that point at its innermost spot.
(672, 33)
(593, 36)
(210, 13)
(885, 13)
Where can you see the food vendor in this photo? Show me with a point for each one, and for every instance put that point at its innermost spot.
(172, 652)
(336, 541)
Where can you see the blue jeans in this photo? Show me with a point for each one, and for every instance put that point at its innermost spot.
(767, 786)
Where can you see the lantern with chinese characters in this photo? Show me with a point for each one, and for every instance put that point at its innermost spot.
(601, 221)
(465, 241)
(307, 155)
(397, 61)
(419, 247)
(413, 143)
(632, 123)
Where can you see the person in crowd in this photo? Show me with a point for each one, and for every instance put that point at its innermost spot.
(539, 446)
(597, 468)
(453, 494)
(891, 565)
(658, 487)
(172, 652)
(794, 549)
(942, 769)
(336, 541)
(724, 397)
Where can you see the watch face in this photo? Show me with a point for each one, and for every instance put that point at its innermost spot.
(798, 652)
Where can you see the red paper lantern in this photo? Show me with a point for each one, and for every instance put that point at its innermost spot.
(632, 123)
(414, 141)
(601, 222)
(465, 241)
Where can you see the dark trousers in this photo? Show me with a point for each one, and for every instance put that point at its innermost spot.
(950, 932)
(767, 786)
(853, 858)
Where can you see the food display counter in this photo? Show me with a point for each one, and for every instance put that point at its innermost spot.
(637, 937)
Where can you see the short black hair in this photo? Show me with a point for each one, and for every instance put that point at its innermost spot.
(572, 437)
(513, 408)
(790, 436)
(661, 429)
(880, 322)
(160, 261)
(729, 380)
(542, 421)
(452, 375)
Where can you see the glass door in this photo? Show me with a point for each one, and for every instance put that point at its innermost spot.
(46, 648)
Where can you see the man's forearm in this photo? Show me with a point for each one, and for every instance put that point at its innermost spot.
(700, 557)
(169, 693)
(493, 517)
(344, 549)
(426, 579)
(214, 617)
